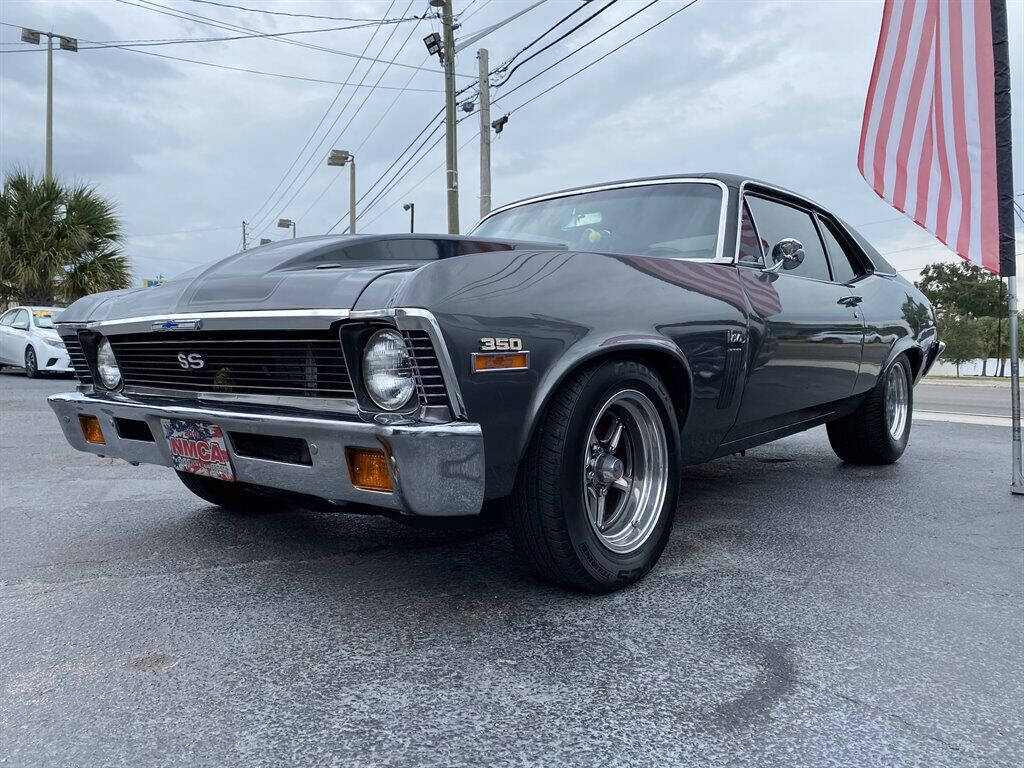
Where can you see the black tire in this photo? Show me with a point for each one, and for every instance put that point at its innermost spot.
(864, 437)
(231, 496)
(31, 364)
(546, 514)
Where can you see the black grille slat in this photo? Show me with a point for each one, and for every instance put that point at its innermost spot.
(78, 361)
(288, 363)
(429, 381)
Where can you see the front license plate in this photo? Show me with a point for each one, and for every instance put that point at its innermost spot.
(199, 448)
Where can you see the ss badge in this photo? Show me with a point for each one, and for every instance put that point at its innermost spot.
(501, 344)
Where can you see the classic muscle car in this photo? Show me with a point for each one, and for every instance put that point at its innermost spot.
(560, 364)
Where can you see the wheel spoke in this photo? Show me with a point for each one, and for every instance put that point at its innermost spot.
(599, 507)
(616, 435)
(623, 483)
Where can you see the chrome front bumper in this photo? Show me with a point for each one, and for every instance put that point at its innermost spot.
(437, 470)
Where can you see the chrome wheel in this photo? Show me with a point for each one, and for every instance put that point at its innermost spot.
(897, 401)
(625, 471)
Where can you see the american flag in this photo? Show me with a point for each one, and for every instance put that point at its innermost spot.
(935, 141)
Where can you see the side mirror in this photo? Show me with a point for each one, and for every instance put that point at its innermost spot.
(787, 254)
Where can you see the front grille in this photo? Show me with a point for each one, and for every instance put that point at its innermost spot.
(78, 361)
(289, 363)
(429, 381)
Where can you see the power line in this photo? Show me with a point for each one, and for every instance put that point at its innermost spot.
(154, 7)
(245, 70)
(258, 218)
(557, 40)
(355, 113)
(190, 40)
(595, 61)
(293, 15)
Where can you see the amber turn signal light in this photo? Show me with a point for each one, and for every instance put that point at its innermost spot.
(368, 469)
(500, 361)
(91, 430)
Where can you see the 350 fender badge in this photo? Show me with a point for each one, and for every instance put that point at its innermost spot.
(501, 344)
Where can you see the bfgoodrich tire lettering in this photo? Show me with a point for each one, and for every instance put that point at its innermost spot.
(547, 514)
(878, 431)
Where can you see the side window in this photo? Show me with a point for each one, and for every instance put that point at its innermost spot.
(777, 221)
(8, 317)
(844, 268)
(750, 247)
(21, 320)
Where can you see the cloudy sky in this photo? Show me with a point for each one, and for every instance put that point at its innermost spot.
(188, 151)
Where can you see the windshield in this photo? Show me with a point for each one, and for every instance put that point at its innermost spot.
(43, 318)
(674, 220)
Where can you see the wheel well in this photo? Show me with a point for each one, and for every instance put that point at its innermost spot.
(671, 371)
(916, 358)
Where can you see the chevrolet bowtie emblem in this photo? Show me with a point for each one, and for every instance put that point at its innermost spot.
(177, 325)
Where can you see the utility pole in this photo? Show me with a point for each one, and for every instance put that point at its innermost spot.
(67, 44)
(485, 132)
(451, 142)
(411, 208)
(245, 237)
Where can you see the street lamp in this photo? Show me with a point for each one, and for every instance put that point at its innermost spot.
(341, 157)
(33, 37)
(285, 224)
(411, 208)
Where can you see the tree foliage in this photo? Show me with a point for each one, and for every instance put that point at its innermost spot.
(971, 309)
(57, 242)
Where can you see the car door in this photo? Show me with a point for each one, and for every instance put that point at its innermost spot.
(7, 335)
(16, 336)
(807, 335)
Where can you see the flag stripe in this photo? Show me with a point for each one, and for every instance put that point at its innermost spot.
(928, 137)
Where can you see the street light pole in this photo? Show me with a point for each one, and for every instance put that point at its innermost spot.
(451, 141)
(411, 208)
(67, 44)
(287, 224)
(485, 133)
(341, 158)
(49, 106)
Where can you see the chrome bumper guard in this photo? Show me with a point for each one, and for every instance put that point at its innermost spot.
(437, 470)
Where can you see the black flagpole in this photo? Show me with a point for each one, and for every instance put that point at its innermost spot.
(1004, 186)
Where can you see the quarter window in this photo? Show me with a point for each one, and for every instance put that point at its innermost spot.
(844, 268)
(778, 221)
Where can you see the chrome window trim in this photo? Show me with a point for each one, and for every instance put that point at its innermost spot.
(719, 257)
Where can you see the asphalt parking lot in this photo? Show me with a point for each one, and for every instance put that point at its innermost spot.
(805, 613)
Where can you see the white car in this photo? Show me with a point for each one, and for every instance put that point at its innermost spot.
(28, 340)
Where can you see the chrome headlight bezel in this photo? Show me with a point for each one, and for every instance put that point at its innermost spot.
(107, 370)
(387, 370)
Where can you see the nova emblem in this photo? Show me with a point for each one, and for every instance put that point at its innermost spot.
(191, 360)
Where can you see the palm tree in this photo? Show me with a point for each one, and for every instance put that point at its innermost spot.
(57, 242)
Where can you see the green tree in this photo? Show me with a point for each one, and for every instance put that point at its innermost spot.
(57, 242)
(968, 293)
(963, 337)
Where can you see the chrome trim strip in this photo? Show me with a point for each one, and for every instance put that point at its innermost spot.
(258, 319)
(345, 405)
(720, 245)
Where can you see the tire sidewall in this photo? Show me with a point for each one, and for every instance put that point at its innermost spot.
(609, 568)
(31, 371)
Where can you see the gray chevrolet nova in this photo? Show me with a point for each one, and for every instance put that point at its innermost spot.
(556, 367)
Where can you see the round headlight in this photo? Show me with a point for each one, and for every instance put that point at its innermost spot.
(387, 370)
(106, 366)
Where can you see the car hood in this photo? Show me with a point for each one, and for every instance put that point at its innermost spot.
(305, 273)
